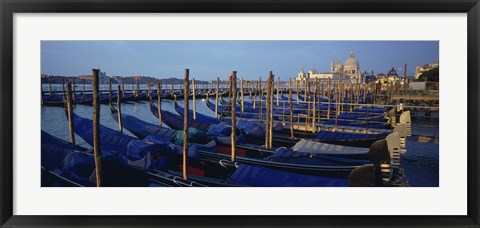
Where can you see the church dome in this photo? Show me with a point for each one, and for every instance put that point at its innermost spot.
(351, 62)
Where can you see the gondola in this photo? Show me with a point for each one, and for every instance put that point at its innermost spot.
(127, 97)
(373, 114)
(280, 98)
(74, 162)
(200, 161)
(67, 165)
(310, 146)
(152, 153)
(221, 132)
(142, 129)
(282, 158)
(248, 113)
(199, 116)
(249, 129)
(346, 119)
(53, 100)
(357, 118)
(333, 137)
(297, 108)
(324, 148)
(245, 125)
(87, 99)
(323, 99)
(285, 98)
(173, 120)
(56, 153)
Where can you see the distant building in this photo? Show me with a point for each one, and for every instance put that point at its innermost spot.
(390, 78)
(302, 76)
(368, 77)
(424, 68)
(382, 79)
(392, 75)
(350, 72)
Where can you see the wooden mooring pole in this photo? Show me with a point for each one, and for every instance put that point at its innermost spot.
(255, 95)
(97, 153)
(270, 134)
(110, 89)
(314, 108)
(74, 98)
(250, 88)
(148, 87)
(123, 87)
(159, 103)
(337, 107)
(50, 86)
(137, 89)
(329, 92)
(70, 113)
(357, 94)
(267, 116)
(291, 109)
(364, 94)
(305, 88)
(63, 88)
(260, 113)
(296, 89)
(194, 102)
(241, 94)
(41, 92)
(216, 97)
(119, 107)
(233, 88)
(186, 90)
(350, 90)
(278, 91)
(320, 102)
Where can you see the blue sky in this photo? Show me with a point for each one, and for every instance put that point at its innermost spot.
(210, 59)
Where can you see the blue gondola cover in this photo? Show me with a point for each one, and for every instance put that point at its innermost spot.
(256, 176)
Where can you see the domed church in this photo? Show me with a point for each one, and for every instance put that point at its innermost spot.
(351, 71)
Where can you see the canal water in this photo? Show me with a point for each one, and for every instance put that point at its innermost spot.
(420, 164)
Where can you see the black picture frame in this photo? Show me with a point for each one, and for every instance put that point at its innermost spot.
(10, 7)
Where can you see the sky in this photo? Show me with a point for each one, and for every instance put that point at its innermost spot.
(210, 59)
